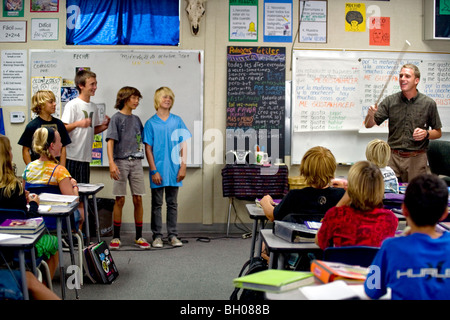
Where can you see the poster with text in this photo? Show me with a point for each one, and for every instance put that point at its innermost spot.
(278, 21)
(243, 24)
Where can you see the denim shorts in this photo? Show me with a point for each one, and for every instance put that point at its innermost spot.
(130, 170)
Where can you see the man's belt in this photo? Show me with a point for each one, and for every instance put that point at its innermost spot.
(406, 153)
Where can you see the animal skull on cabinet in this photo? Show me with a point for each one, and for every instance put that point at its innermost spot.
(195, 10)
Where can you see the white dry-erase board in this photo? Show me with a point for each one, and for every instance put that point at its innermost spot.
(147, 70)
(333, 89)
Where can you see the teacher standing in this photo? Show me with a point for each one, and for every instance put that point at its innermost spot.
(413, 121)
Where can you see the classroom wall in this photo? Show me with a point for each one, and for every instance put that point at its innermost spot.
(201, 205)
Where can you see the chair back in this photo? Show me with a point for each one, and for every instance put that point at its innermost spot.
(50, 222)
(353, 255)
(11, 214)
(439, 157)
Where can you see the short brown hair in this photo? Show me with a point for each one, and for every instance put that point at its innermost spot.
(82, 76)
(365, 186)
(318, 167)
(124, 94)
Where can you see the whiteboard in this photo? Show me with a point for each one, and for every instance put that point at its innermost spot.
(333, 89)
(147, 70)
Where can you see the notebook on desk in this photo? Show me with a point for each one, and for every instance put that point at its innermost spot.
(293, 232)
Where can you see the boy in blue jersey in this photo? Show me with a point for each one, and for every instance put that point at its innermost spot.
(165, 136)
(416, 266)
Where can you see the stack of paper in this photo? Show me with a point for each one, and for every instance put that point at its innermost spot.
(54, 199)
(22, 226)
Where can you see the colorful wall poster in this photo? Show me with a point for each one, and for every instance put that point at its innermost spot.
(355, 17)
(243, 24)
(380, 31)
(278, 21)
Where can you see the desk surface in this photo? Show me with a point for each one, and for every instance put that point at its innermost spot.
(275, 243)
(56, 211)
(255, 212)
(25, 241)
(89, 188)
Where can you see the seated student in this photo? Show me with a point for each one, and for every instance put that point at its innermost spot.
(317, 168)
(46, 172)
(359, 218)
(13, 196)
(36, 289)
(416, 266)
(378, 152)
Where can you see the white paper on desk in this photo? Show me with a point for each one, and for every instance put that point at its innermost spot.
(88, 187)
(6, 237)
(44, 208)
(336, 290)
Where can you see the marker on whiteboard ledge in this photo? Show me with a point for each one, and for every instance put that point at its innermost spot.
(345, 163)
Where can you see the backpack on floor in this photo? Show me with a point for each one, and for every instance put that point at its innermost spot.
(255, 264)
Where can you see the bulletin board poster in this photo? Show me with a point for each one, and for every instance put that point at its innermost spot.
(13, 8)
(256, 98)
(243, 24)
(278, 21)
(355, 17)
(380, 31)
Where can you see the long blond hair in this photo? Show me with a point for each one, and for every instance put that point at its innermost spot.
(365, 186)
(8, 179)
(42, 138)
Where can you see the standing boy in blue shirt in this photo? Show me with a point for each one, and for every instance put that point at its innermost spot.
(125, 154)
(416, 266)
(165, 136)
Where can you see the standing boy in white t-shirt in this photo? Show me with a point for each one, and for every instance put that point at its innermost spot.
(82, 122)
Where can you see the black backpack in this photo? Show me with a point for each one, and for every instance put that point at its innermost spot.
(255, 264)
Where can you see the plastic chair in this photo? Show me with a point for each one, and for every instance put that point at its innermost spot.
(439, 159)
(20, 214)
(353, 255)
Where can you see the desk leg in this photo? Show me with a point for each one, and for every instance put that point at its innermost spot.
(23, 274)
(230, 206)
(72, 257)
(86, 220)
(60, 251)
(272, 257)
(97, 228)
(259, 243)
(254, 231)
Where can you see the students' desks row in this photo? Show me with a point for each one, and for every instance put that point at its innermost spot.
(275, 245)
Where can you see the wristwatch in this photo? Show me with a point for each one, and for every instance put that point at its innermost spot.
(428, 135)
(152, 172)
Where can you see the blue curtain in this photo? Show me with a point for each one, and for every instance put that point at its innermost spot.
(123, 22)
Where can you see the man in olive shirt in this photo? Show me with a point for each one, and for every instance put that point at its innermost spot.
(413, 121)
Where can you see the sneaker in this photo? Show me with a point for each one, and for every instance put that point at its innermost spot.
(142, 243)
(157, 243)
(175, 242)
(114, 244)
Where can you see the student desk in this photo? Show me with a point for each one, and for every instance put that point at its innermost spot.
(85, 190)
(26, 241)
(247, 182)
(257, 214)
(60, 213)
(277, 247)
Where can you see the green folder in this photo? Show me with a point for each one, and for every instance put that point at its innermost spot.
(274, 280)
